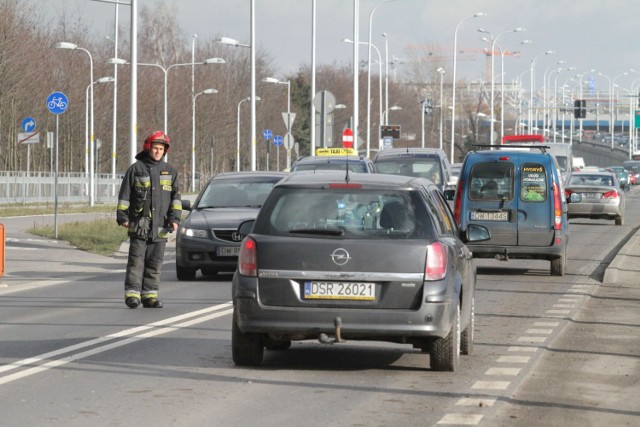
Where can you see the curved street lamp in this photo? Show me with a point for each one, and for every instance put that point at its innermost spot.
(453, 77)
(193, 135)
(88, 161)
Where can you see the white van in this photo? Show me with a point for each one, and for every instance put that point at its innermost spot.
(564, 155)
(578, 162)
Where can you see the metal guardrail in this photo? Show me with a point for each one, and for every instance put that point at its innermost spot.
(38, 187)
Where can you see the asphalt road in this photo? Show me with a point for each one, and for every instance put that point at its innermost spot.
(72, 354)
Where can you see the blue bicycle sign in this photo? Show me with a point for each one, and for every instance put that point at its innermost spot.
(57, 102)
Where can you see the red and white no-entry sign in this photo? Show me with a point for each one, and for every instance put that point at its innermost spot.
(347, 138)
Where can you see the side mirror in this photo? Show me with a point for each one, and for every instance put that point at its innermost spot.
(476, 233)
(186, 205)
(449, 194)
(575, 198)
(245, 227)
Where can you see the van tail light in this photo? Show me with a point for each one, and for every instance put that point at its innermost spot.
(557, 208)
(247, 261)
(457, 203)
(613, 194)
(437, 257)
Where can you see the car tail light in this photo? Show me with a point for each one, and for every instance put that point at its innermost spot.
(247, 265)
(436, 262)
(557, 208)
(567, 193)
(613, 194)
(457, 204)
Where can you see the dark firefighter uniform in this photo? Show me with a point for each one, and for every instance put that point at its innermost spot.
(149, 201)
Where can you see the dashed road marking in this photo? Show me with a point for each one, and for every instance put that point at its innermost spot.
(503, 371)
(563, 305)
(476, 401)
(532, 339)
(522, 349)
(539, 331)
(461, 419)
(490, 385)
(546, 324)
(514, 359)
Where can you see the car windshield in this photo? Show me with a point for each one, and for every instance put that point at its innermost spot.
(233, 194)
(424, 167)
(354, 213)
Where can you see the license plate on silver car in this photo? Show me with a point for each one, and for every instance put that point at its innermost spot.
(340, 290)
(489, 216)
(228, 250)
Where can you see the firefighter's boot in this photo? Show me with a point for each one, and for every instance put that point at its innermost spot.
(151, 303)
(132, 302)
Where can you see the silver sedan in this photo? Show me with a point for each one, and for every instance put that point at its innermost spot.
(595, 195)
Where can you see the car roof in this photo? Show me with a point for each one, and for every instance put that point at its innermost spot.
(329, 159)
(325, 177)
(408, 151)
(499, 153)
(249, 174)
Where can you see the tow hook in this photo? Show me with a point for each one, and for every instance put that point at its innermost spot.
(503, 257)
(324, 338)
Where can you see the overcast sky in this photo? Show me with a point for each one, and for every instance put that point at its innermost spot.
(587, 34)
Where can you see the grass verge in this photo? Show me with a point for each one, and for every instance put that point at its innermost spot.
(100, 236)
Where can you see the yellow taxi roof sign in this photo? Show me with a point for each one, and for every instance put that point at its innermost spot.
(336, 151)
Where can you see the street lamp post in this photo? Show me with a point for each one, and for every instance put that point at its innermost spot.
(545, 105)
(453, 77)
(614, 101)
(86, 112)
(502, 53)
(493, 48)
(288, 124)
(441, 71)
(532, 84)
(379, 98)
(248, 98)
(90, 160)
(193, 136)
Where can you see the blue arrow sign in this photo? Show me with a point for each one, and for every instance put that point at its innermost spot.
(277, 140)
(57, 102)
(266, 134)
(28, 124)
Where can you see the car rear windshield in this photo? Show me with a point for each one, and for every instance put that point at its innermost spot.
(491, 181)
(423, 166)
(345, 212)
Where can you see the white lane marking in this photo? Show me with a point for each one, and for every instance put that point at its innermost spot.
(523, 349)
(532, 339)
(558, 311)
(539, 331)
(503, 371)
(514, 359)
(574, 300)
(121, 334)
(461, 419)
(546, 324)
(479, 402)
(491, 385)
(563, 305)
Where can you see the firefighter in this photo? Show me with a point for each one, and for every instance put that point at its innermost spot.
(149, 206)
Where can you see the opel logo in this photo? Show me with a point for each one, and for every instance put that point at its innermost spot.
(340, 256)
(236, 237)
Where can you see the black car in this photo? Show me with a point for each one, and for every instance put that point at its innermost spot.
(207, 239)
(335, 257)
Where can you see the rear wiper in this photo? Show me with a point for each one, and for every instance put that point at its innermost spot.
(319, 231)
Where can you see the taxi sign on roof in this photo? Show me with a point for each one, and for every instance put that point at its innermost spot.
(336, 152)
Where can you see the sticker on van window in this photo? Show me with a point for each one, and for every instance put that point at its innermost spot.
(533, 183)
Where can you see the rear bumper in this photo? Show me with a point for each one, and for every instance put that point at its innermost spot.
(431, 320)
(521, 252)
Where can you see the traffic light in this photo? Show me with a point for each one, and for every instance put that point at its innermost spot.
(580, 109)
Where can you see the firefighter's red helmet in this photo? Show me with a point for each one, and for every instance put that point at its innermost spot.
(157, 136)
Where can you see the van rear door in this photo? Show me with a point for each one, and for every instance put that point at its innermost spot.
(535, 204)
(492, 201)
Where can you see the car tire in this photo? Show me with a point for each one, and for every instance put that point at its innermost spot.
(185, 273)
(246, 347)
(276, 345)
(558, 265)
(466, 338)
(445, 352)
(620, 220)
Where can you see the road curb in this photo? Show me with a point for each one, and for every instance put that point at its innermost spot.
(626, 264)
